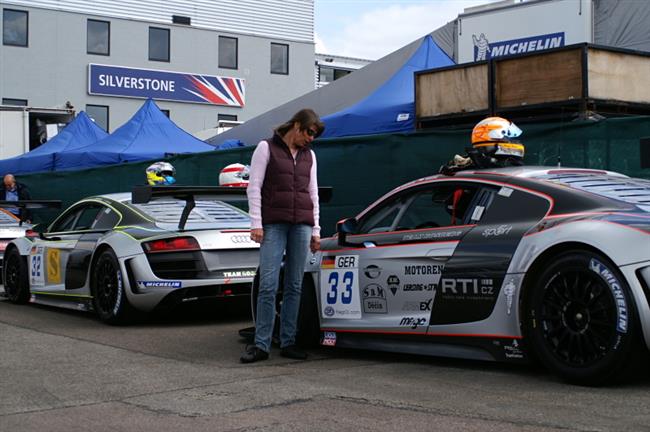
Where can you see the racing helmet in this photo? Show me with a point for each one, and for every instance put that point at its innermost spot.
(161, 173)
(236, 175)
(494, 136)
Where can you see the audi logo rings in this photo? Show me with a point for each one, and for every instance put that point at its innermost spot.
(240, 238)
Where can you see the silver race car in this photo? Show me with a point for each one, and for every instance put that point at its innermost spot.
(122, 253)
(504, 264)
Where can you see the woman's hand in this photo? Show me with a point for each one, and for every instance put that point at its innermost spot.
(257, 235)
(314, 245)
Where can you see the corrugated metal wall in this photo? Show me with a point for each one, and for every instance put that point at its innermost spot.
(283, 19)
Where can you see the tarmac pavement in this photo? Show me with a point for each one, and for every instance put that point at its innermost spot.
(65, 371)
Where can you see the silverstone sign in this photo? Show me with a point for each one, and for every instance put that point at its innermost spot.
(523, 28)
(163, 85)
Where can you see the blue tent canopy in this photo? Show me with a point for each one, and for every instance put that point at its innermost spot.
(149, 134)
(80, 132)
(390, 108)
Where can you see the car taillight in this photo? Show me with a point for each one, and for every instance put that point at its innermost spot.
(171, 245)
(3, 245)
(31, 234)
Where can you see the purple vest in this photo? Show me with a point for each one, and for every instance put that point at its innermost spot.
(285, 192)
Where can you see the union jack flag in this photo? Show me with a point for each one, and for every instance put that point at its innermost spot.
(217, 90)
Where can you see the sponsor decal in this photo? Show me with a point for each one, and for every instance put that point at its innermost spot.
(329, 339)
(241, 238)
(36, 273)
(617, 291)
(327, 262)
(467, 288)
(157, 84)
(240, 273)
(393, 283)
(340, 294)
(509, 291)
(374, 299)
(419, 306)
(413, 322)
(426, 269)
(429, 235)
(484, 50)
(160, 284)
(497, 231)
(53, 266)
(513, 350)
(418, 287)
(478, 213)
(372, 271)
(505, 191)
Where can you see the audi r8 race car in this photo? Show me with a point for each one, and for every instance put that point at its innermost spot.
(504, 264)
(122, 253)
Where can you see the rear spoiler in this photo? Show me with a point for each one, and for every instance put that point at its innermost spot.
(189, 194)
(30, 205)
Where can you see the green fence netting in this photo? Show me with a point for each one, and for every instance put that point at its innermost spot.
(361, 169)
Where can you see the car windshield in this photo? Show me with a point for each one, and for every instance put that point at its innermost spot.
(167, 214)
(630, 190)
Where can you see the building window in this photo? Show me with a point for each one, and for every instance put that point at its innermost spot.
(279, 59)
(98, 37)
(99, 113)
(166, 112)
(17, 102)
(226, 117)
(158, 44)
(14, 27)
(227, 52)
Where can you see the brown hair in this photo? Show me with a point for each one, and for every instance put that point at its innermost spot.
(305, 118)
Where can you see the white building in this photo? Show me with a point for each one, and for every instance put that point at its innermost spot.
(201, 60)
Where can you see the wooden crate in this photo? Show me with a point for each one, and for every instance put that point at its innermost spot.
(571, 80)
(456, 90)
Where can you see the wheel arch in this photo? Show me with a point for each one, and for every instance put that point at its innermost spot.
(93, 261)
(537, 266)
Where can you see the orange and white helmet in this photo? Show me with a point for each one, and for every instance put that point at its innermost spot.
(236, 175)
(495, 135)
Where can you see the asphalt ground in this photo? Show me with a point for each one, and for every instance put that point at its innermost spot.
(65, 371)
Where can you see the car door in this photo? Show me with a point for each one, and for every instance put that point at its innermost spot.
(70, 240)
(386, 276)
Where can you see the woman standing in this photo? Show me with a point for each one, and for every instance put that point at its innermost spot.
(283, 205)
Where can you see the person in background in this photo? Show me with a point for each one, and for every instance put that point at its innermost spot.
(14, 191)
(283, 206)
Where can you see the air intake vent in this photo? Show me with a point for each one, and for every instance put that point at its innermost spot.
(179, 19)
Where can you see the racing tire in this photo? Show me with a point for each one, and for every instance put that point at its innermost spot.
(308, 329)
(15, 277)
(308, 334)
(581, 319)
(109, 297)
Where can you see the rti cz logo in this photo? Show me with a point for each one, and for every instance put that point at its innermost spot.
(484, 50)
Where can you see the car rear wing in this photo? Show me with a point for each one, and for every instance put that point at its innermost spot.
(30, 205)
(190, 194)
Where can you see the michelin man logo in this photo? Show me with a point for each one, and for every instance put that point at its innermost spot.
(482, 47)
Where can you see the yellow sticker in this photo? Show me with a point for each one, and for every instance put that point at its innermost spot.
(53, 266)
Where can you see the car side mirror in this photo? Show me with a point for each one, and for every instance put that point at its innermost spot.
(345, 227)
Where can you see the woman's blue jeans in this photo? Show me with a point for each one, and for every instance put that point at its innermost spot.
(278, 238)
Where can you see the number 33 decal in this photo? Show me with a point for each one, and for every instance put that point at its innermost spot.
(340, 284)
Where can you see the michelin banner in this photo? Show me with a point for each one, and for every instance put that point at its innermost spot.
(519, 28)
(163, 85)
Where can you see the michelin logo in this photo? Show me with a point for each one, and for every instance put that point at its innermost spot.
(484, 50)
(160, 284)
